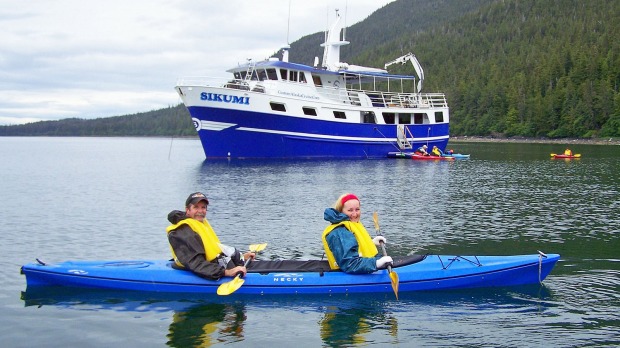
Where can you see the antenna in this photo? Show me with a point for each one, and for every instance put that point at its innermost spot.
(344, 31)
(288, 27)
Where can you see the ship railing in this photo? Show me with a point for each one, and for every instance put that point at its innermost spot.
(406, 100)
(339, 95)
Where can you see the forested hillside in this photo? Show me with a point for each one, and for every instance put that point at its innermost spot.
(172, 121)
(508, 67)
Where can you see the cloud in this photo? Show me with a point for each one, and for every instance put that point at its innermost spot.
(72, 58)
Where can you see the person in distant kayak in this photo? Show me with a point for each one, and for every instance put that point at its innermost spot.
(196, 247)
(568, 152)
(436, 151)
(348, 246)
(422, 150)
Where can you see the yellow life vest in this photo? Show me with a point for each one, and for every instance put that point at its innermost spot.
(436, 152)
(209, 239)
(366, 246)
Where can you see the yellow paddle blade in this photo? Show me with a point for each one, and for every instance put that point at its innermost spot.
(233, 285)
(257, 247)
(394, 278)
(578, 155)
(230, 287)
(375, 218)
(553, 154)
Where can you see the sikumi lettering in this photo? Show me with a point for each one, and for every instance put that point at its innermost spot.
(224, 98)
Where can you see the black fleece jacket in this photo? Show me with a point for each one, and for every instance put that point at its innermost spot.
(189, 249)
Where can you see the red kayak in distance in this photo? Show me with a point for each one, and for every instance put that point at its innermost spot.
(559, 155)
(415, 156)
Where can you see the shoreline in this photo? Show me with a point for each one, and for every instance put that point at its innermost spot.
(565, 141)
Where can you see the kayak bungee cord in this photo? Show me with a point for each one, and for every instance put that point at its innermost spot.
(456, 258)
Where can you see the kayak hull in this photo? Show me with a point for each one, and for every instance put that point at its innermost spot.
(457, 156)
(566, 156)
(433, 272)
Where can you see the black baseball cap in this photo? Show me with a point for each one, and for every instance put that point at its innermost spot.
(195, 198)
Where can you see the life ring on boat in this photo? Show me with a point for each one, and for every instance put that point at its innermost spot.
(336, 84)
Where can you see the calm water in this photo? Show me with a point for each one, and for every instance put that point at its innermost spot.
(107, 198)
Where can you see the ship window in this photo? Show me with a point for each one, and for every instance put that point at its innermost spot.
(317, 80)
(368, 117)
(340, 114)
(284, 74)
(292, 75)
(389, 117)
(438, 116)
(302, 77)
(243, 74)
(262, 75)
(277, 107)
(254, 75)
(404, 118)
(237, 75)
(271, 74)
(309, 111)
(420, 118)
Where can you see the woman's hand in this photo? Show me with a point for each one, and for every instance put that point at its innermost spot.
(378, 239)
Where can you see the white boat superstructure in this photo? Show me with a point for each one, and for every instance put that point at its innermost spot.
(279, 109)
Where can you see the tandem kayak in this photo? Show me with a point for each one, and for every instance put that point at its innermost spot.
(415, 156)
(416, 272)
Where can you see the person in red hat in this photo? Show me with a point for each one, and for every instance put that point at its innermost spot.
(196, 247)
(347, 244)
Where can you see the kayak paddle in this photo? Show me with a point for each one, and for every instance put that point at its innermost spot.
(233, 285)
(393, 275)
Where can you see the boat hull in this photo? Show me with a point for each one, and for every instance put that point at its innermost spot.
(434, 272)
(232, 133)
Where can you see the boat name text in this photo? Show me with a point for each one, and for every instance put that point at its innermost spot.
(288, 277)
(298, 95)
(224, 98)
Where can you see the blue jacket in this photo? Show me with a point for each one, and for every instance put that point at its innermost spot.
(344, 246)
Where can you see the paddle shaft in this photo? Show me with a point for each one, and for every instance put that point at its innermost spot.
(247, 262)
(232, 286)
(389, 267)
(393, 275)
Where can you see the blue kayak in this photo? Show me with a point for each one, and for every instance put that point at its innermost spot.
(456, 155)
(416, 273)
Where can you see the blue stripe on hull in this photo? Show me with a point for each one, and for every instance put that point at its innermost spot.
(239, 134)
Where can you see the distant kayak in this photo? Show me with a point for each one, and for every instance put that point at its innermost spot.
(559, 155)
(456, 155)
(415, 156)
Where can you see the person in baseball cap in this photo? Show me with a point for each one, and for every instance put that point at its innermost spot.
(196, 247)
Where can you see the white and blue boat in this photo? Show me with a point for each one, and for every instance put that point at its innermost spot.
(279, 109)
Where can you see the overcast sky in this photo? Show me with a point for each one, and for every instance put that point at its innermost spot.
(88, 59)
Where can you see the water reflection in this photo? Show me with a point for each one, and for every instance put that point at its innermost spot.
(206, 325)
(343, 325)
(342, 320)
